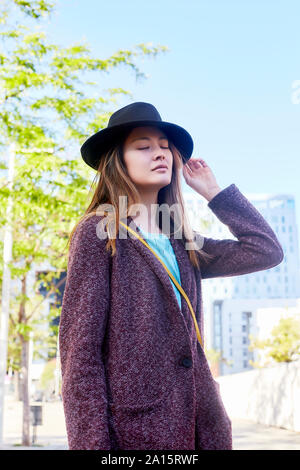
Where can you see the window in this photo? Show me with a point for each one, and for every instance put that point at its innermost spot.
(217, 310)
(245, 316)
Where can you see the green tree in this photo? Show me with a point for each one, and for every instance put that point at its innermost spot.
(215, 359)
(284, 343)
(48, 108)
(47, 380)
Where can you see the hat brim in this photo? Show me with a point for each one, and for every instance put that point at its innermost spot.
(96, 145)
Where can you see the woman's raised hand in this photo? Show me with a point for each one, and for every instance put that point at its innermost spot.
(200, 177)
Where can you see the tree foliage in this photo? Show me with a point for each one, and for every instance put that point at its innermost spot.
(48, 109)
(49, 106)
(284, 343)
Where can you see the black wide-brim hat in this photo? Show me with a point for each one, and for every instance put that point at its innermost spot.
(130, 116)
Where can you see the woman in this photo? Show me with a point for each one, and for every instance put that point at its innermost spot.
(134, 372)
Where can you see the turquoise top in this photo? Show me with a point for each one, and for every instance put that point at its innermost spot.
(161, 244)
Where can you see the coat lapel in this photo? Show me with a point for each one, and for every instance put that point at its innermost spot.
(158, 268)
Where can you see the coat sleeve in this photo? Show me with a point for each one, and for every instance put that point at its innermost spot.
(256, 248)
(83, 319)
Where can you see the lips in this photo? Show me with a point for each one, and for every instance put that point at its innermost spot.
(160, 166)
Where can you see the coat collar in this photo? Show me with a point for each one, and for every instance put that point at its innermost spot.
(181, 256)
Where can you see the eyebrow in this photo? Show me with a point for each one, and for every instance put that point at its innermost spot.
(147, 138)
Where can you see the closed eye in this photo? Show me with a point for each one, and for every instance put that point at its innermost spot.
(144, 148)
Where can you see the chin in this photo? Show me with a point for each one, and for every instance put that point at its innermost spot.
(163, 176)
(165, 182)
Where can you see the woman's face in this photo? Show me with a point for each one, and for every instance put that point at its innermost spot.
(144, 149)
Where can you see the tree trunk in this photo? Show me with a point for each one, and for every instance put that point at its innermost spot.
(25, 395)
(17, 386)
(24, 371)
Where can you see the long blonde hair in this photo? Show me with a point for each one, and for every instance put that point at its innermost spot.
(112, 181)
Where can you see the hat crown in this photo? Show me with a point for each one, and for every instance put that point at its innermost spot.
(138, 111)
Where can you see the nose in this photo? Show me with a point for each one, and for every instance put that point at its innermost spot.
(161, 152)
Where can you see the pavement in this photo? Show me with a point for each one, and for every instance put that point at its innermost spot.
(248, 435)
(51, 435)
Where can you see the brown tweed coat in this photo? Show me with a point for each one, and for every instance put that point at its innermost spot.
(134, 374)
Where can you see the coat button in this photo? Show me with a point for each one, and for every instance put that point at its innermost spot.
(187, 362)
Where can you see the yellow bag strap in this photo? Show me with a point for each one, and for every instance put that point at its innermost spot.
(173, 279)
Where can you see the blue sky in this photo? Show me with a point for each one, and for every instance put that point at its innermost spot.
(227, 77)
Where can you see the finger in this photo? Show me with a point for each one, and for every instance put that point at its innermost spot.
(193, 160)
(196, 164)
(188, 169)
